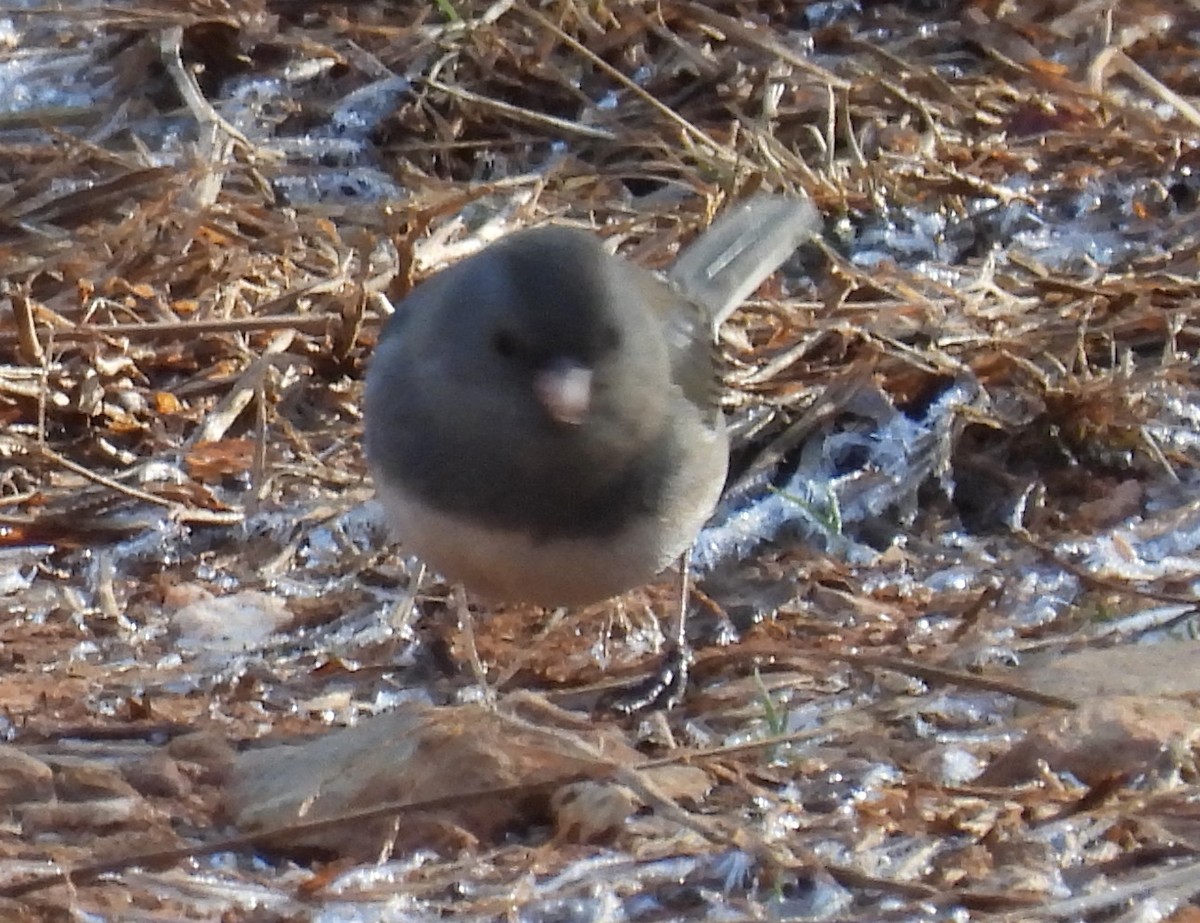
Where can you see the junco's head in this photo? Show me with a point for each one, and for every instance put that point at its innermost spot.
(542, 339)
(542, 418)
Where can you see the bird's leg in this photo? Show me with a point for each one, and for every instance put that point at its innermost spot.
(466, 629)
(665, 687)
(402, 614)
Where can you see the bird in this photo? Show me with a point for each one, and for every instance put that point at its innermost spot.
(542, 419)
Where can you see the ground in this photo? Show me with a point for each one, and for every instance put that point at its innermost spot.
(942, 621)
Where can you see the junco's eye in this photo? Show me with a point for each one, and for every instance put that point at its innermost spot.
(505, 344)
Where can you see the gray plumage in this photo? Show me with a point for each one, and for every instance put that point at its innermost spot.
(542, 418)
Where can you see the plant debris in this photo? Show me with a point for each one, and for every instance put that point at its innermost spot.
(944, 615)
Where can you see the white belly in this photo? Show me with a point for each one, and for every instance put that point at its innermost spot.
(510, 566)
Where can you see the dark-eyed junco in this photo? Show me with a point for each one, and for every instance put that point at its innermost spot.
(542, 418)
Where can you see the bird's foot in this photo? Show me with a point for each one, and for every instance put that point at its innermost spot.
(661, 690)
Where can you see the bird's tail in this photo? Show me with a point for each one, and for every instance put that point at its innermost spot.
(747, 243)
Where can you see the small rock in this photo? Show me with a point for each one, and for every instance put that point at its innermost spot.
(23, 777)
(98, 816)
(157, 776)
(237, 622)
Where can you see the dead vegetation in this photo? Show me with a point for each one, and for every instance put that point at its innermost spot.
(202, 208)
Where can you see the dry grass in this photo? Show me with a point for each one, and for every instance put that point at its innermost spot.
(196, 229)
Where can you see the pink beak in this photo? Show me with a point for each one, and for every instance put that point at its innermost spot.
(564, 389)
